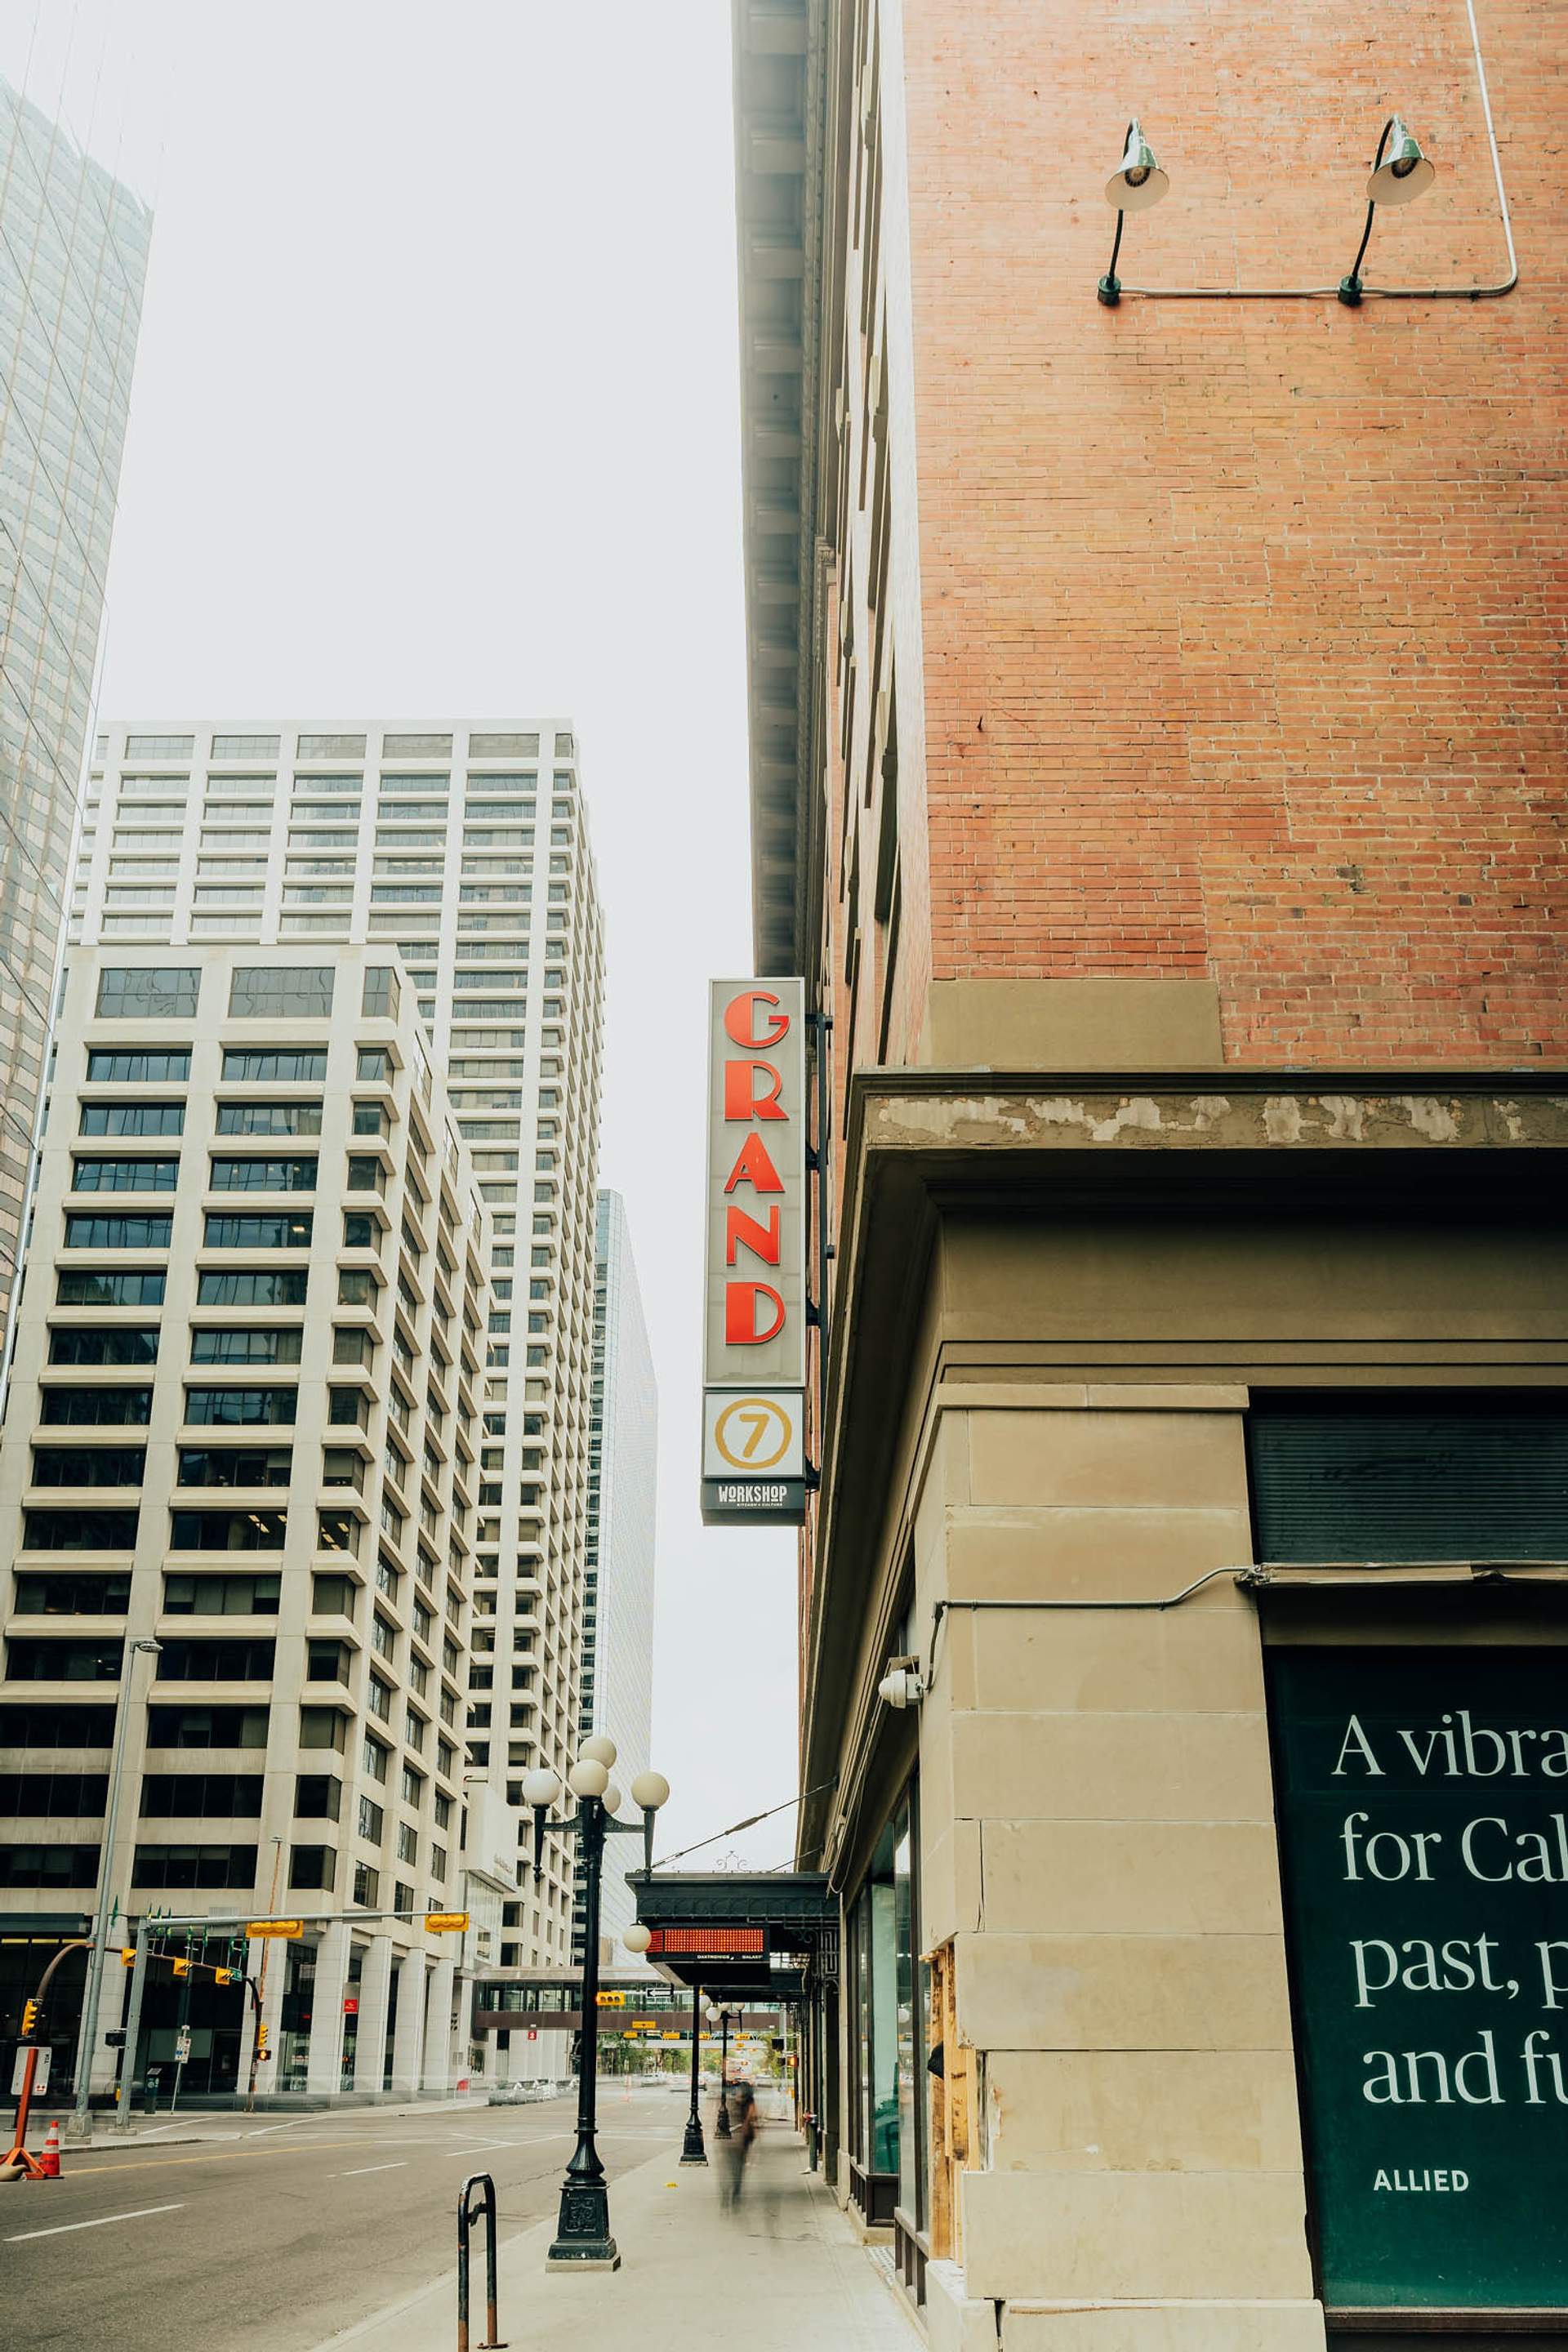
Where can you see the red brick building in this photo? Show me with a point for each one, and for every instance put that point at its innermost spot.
(1157, 774)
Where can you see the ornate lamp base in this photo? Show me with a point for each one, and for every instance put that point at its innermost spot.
(582, 2240)
(691, 2149)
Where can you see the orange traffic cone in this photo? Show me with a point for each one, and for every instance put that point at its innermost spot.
(49, 2159)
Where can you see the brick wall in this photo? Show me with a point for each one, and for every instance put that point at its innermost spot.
(1243, 620)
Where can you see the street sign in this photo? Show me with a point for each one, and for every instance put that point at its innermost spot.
(40, 2072)
(182, 2046)
(276, 1927)
(350, 2006)
(447, 1923)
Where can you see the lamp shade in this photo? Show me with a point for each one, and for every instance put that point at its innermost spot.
(599, 1750)
(649, 1791)
(637, 1937)
(587, 1778)
(612, 1799)
(1405, 172)
(1137, 182)
(539, 1788)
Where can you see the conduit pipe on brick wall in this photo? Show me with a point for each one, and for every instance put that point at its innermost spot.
(1464, 293)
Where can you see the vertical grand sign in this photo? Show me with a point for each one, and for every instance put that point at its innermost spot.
(1424, 1806)
(754, 1308)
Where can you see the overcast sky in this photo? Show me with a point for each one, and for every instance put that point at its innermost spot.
(436, 418)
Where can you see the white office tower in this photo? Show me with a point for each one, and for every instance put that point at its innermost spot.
(468, 849)
(617, 1616)
(73, 252)
(238, 1508)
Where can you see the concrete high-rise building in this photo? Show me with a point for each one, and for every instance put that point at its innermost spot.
(468, 848)
(73, 252)
(245, 1422)
(623, 1487)
(1156, 777)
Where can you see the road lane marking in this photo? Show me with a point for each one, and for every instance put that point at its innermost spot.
(102, 2222)
(355, 2173)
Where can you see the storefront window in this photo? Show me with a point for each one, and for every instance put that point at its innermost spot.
(912, 1994)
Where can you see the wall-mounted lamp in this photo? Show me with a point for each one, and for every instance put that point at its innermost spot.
(1135, 184)
(1398, 176)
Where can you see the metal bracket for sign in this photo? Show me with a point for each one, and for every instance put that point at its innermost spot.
(818, 1159)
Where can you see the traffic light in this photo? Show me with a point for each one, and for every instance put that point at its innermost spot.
(261, 2038)
(30, 2020)
(182, 1968)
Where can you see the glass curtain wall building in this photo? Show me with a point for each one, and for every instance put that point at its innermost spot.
(617, 1607)
(73, 254)
(467, 849)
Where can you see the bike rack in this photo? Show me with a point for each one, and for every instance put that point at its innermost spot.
(468, 2212)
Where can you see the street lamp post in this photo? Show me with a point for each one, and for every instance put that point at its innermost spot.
(582, 2240)
(80, 2124)
(638, 1939)
(691, 2149)
(720, 2017)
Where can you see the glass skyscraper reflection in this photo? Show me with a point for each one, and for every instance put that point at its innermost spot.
(73, 255)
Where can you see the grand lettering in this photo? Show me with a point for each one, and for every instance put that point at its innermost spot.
(754, 1095)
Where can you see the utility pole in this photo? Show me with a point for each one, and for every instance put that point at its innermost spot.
(78, 2124)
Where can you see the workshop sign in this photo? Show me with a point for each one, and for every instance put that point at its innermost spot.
(753, 1356)
(1424, 1805)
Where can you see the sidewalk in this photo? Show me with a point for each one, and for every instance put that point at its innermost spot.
(783, 2273)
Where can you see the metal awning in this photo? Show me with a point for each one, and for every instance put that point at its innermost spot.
(739, 1936)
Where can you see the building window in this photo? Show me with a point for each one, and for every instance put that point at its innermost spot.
(367, 1886)
(240, 1408)
(313, 1866)
(318, 1796)
(372, 1821)
(322, 1727)
(383, 993)
(234, 1466)
(279, 1231)
(221, 1596)
(88, 1287)
(269, 1118)
(106, 1067)
(1388, 1475)
(253, 1286)
(194, 1866)
(64, 1530)
(149, 992)
(114, 1343)
(132, 1118)
(282, 991)
(263, 1175)
(228, 1345)
(304, 1064)
(124, 1175)
(226, 1530)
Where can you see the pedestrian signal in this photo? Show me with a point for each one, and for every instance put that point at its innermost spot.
(182, 1968)
(128, 1956)
(223, 1976)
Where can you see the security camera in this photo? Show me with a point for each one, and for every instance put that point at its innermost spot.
(901, 1685)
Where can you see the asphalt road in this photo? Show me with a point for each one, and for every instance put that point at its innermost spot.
(273, 2236)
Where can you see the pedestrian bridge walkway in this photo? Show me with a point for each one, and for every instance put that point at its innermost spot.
(779, 2271)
